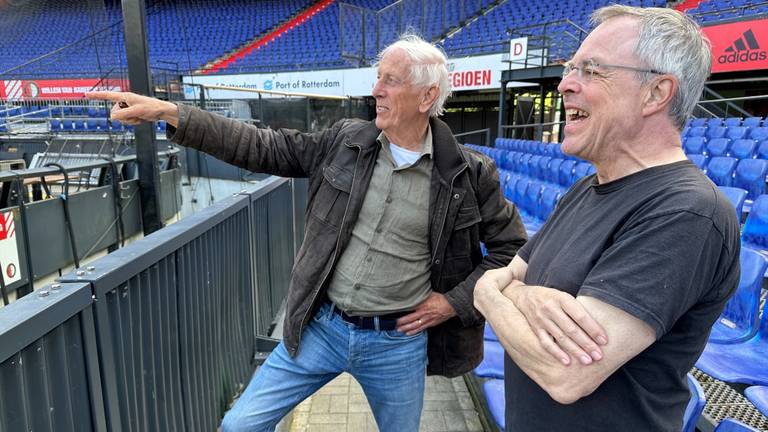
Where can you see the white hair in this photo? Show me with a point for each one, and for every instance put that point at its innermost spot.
(429, 67)
(671, 42)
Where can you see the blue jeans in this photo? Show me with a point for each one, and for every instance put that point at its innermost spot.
(389, 365)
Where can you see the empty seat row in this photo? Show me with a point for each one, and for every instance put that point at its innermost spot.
(748, 174)
(733, 133)
(739, 149)
(727, 122)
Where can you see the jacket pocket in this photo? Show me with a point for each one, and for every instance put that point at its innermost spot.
(466, 217)
(332, 196)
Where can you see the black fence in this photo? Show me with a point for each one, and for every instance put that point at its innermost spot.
(158, 335)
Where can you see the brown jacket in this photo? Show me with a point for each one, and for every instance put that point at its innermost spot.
(466, 207)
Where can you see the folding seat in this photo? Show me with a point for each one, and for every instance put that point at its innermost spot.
(740, 319)
(699, 160)
(91, 125)
(55, 125)
(714, 122)
(566, 173)
(759, 133)
(737, 132)
(509, 188)
(549, 198)
(716, 132)
(695, 405)
(758, 395)
(752, 122)
(523, 164)
(92, 111)
(732, 121)
(492, 365)
(718, 147)
(744, 362)
(116, 125)
(533, 166)
(67, 125)
(493, 390)
(102, 124)
(489, 334)
(697, 131)
(737, 196)
(543, 170)
(520, 188)
(750, 176)
(556, 151)
(79, 125)
(698, 122)
(743, 149)
(720, 170)
(532, 197)
(762, 150)
(553, 171)
(581, 170)
(755, 232)
(695, 145)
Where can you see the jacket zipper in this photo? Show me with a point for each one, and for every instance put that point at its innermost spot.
(442, 223)
(336, 249)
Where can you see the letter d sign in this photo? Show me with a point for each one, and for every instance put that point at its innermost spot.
(518, 49)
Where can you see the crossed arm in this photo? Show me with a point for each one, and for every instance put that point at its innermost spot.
(544, 330)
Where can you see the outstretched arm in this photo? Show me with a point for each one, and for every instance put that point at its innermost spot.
(133, 109)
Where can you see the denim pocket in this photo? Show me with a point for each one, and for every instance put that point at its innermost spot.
(401, 336)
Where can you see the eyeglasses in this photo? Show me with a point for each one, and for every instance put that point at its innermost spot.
(587, 69)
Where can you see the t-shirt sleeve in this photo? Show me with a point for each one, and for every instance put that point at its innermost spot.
(657, 268)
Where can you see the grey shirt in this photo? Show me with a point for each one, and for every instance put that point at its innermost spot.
(386, 266)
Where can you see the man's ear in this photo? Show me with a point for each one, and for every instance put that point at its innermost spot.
(659, 94)
(429, 98)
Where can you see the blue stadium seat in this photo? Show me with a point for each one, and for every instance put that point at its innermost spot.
(91, 125)
(762, 150)
(492, 365)
(732, 121)
(716, 132)
(759, 133)
(489, 334)
(752, 122)
(116, 125)
(699, 160)
(741, 317)
(736, 196)
(102, 124)
(566, 173)
(581, 170)
(695, 405)
(532, 198)
(743, 149)
(750, 175)
(553, 172)
(533, 166)
(720, 170)
(713, 122)
(55, 125)
(549, 198)
(519, 195)
(67, 125)
(737, 132)
(697, 131)
(695, 145)
(732, 425)
(758, 395)
(745, 362)
(755, 232)
(698, 122)
(543, 168)
(718, 147)
(493, 390)
(523, 164)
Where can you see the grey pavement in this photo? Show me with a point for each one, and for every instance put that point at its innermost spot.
(341, 406)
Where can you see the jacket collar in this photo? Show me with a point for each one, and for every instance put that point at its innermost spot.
(446, 154)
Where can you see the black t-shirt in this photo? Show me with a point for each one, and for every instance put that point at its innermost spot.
(662, 245)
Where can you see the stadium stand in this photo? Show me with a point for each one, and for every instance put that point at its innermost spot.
(695, 406)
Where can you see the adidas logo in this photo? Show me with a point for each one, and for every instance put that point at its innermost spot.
(743, 49)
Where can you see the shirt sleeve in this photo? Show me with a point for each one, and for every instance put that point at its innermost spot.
(658, 268)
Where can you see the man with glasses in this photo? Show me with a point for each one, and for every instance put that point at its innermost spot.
(604, 311)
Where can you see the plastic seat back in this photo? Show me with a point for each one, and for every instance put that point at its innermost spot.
(752, 122)
(718, 147)
(720, 170)
(740, 319)
(736, 132)
(714, 122)
(697, 131)
(755, 232)
(695, 145)
(695, 405)
(750, 176)
(699, 160)
(732, 425)
(716, 132)
(759, 133)
(736, 196)
(732, 121)
(553, 172)
(566, 172)
(743, 149)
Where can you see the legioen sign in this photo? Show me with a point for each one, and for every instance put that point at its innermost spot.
(739, 46)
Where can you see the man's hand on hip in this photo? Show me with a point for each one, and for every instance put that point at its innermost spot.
(431, 312)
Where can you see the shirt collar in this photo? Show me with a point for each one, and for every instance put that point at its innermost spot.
(426, 149)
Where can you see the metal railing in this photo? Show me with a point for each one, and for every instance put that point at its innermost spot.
(485, 133)
(159, 335)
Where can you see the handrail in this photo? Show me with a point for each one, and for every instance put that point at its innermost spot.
(486, 131)
(40, 172)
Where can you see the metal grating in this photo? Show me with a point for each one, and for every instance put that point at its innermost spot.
(724, 401)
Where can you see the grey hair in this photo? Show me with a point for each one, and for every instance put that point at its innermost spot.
(429, 66)
(670, 42)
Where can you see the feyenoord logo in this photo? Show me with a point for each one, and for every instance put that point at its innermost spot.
(743, 49)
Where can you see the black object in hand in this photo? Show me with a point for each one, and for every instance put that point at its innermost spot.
(122, 104)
